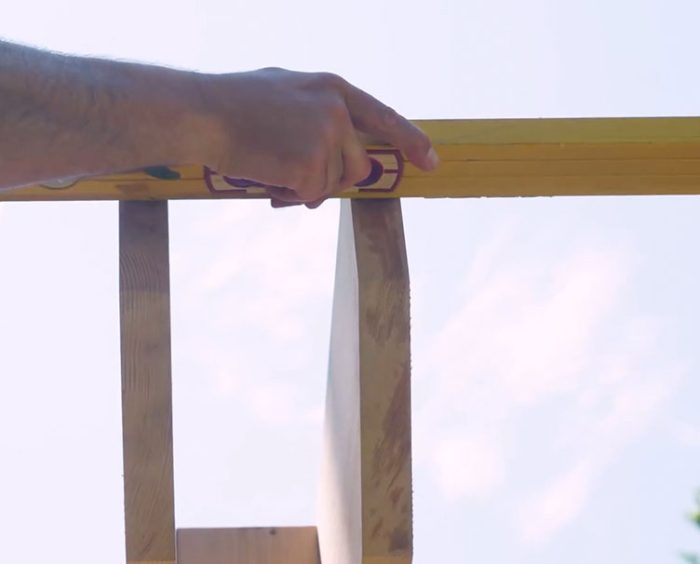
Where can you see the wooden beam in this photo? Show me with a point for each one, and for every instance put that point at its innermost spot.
(144, 291)
(501, 157)
(365, 509)
(269, 545)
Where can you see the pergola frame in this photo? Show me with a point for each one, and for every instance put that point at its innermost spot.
(365, 511)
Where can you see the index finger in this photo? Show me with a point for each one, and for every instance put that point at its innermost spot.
(371, 116)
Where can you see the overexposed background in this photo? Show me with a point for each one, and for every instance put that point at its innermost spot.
(555, 340)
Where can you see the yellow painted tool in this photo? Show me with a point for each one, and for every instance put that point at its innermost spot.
(508, 157)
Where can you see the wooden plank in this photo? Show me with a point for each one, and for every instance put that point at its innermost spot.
(144, 291)
(365, 506)
(269, 545)
(593, 156)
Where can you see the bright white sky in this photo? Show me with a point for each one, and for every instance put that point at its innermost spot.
(555, 341)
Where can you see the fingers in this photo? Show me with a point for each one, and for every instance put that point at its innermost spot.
(275, 203)
(347, 166)
(282, 197)
(334, 172)
(346, 163)
(371, 116)
(356, 164)
(285, 197)
(317, 203)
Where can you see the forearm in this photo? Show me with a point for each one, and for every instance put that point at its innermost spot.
(297, 133)
(64, 117)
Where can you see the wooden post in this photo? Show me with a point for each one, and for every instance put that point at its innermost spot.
(365, 513)
(144, 291)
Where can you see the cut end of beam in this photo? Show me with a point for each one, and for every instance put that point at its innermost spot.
(262, 545)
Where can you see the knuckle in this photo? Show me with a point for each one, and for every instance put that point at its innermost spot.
(327, 129)
(390, 117)
(337, 110)
(306, 175)
(316, 161)
(311, 186)
(330, 79)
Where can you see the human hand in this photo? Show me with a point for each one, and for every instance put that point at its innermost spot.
(299, 132)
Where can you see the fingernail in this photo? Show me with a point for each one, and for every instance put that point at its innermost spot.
(433, 159)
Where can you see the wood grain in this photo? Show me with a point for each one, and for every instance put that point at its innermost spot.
(365, 506)
(144, 290)
(269, 545)
(497, 157)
